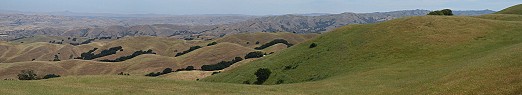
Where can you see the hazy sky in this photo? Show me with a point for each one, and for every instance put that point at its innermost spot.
(250, 7)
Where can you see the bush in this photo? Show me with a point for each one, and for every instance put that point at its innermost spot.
(276, 41)
(255, 54)
(121, 73)
(211, 44)
(27, 75)
(446, 12)
(221, 65)
(187, 51)
(48, 76)
(313, 45)
(262, 75)
(56, 58)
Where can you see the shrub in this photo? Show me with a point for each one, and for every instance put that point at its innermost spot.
(187, 51)
(276, 41)
(221, 65)
(313, 45)
(213, 43)
(121, 73)
(48, 76)
(262, 75)
(255, 54)
(56, 58)
(27, 75)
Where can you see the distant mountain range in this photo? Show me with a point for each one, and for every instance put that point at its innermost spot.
(208, 26)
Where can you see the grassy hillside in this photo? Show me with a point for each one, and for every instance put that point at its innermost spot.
(517, 9)
(428, 55)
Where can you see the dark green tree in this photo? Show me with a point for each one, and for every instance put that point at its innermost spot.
(445, 12)
(211, 44)
(313, 45)
(262, 75)
(27, 75)
(166, 71)
(255, 54)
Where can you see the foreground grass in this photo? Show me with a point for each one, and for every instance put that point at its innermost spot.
(105, 85)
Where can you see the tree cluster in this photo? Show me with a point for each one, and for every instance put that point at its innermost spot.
(187, 51)
(123, 58)
(188, 68)
(31, 75)
(262, 75)
(221, 65)
(90, 55)
(276, 41)
(155, 74)
(255, 54)
(211, 44)
(84, 42)
(445, 12)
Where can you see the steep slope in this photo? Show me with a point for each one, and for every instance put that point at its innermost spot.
(415, 55)
(517, 9)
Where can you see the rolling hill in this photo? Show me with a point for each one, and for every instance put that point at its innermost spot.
(411, 55)
(37, 54)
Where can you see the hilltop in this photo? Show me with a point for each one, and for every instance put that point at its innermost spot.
(517, 9)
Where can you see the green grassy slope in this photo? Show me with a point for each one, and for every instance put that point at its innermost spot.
(429, 55)
(517, 9)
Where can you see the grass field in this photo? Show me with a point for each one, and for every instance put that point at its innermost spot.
(412, 55)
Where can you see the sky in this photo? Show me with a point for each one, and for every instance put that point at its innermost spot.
(246, 7)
